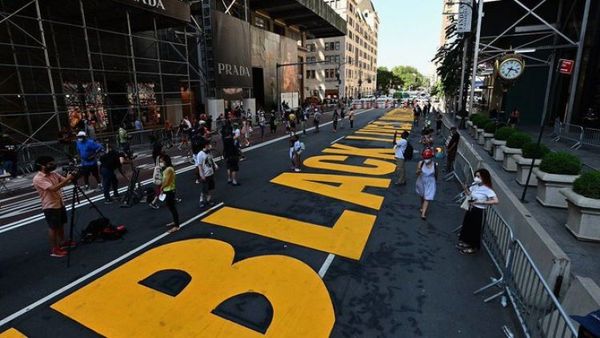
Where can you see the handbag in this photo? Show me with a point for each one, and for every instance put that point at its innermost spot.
(465, 204)
(156, 175)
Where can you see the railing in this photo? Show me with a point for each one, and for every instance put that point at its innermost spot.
(591, 137)
(571, 132)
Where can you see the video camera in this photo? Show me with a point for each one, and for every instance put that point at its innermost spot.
(72, 168)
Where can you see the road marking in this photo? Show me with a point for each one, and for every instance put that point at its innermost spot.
(99, 270)
(34, 218)
(337, 139)
(326, 265)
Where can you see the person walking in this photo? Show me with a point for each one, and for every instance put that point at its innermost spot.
(317, 119)
(88, 150)
(261, 123)
(514, 117)
(451, 148)
(168, 187)
(303, 118)
(479, 196)
(273, 122)
(109, 162)
(438, 123)
(231, 154)
(48, 185)
(399, 148)
(426, 181)
(334, 120)
(206, 170)
(296, 149)
(351, 118)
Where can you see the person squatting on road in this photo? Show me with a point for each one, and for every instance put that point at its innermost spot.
(48, 185)
(399, 148)
(296, 149)
(168, 188)
(426, 181)
(88, 150)
(479, 196)
(206, 169)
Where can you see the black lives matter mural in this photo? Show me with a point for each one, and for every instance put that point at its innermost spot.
(231, 45)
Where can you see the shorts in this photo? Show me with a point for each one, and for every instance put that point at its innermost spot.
(56, 218)
(233, 163)
(208, 184)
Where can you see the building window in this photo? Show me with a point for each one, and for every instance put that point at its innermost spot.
(311, 74)
(310, 47)
(337, 45)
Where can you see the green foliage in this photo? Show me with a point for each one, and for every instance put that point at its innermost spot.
(490, 127)
(588, 185)
(502, 134)
(561, 163)
(517, 140)
(449, 60)
(533, 150)
(387, 80)
(410, 77)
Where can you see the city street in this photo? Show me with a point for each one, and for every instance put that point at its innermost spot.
(335, 250)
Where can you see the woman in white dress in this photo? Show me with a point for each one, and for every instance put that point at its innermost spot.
(426, 181)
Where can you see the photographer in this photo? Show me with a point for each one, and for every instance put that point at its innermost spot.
(48, 184)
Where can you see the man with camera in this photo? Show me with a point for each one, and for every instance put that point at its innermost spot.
(48, 185)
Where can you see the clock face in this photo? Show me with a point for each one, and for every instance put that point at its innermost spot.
(510, 69)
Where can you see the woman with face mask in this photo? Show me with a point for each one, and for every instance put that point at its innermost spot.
(426, 181)
(480, 195)
(168, 188)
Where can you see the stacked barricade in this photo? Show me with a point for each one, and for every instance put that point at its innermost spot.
(591, 137)
(571, 132)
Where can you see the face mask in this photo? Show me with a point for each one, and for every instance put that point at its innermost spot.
(477, 180)
(162, 164)
(427, 161)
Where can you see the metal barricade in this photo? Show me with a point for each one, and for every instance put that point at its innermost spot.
(539, 312)
(571, 132)
(591, 137)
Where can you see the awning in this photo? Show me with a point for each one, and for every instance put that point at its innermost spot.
(314, 17)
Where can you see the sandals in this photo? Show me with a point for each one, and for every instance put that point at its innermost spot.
(468, 251)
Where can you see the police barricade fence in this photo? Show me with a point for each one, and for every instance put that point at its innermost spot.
(571, 132)
(591, 137)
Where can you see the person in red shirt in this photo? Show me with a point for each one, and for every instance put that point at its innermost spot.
(48, 184)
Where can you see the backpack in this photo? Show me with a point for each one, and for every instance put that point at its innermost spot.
(408, 152)
(102, 229)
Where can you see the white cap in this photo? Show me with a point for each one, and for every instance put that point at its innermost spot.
(81, 134)
(202, 122)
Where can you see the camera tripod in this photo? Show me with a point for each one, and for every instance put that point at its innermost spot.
(75, 199)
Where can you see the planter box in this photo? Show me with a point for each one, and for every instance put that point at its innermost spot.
(480, 139)
(548, 188)
(523, 168)
(508, 163)
(583, 220)
(487, 145)
(496, 152)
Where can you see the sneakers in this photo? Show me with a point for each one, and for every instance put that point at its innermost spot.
(58, 252)
(297, 170)
(153, 206)
(211, 204)
(203, 205)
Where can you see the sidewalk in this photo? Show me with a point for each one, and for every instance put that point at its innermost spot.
(584, 255)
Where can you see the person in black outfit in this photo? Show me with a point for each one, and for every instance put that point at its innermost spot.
(109, 162)
(231, 154)
(272, 122)
(451, 148)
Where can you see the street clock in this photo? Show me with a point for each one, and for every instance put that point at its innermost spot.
(510, 67)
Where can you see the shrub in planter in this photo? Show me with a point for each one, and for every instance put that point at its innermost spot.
(490, 127)
(502, 134)
(517, 140)
(533, 150)
(474, 117)
(588, 185)
(561, 163)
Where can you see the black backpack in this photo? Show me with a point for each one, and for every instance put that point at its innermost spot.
(408, 152)
(102, 229)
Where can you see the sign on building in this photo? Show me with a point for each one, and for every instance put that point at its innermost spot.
(465, 14)
(171, 8)
(231, 45)
(565, 66)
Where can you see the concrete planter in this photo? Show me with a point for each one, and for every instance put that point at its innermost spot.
(480, 139)
(469, 126)
(523, 168)
(583, 220)
(508, 163)
(496, 152)
(548, 188)
(487, 145)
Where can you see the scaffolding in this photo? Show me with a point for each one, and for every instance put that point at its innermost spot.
(62, 62)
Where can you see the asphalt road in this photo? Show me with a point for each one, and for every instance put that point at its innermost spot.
(314, 254)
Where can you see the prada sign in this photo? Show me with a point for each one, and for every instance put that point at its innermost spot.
(172, 8)
(231, 45)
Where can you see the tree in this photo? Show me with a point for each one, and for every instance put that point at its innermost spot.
(410, 76)
(387, 80)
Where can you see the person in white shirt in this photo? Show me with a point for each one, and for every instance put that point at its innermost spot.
(206, 170)
(399, 148)
(296, 148)
(480, 195)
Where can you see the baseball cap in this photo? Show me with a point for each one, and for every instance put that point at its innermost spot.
(591, 322)
(81, 134)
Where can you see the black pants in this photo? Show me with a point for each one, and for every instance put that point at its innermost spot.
(470, 232)
(171, 202)
(87, 170)
(351, 123)
(109, 179)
